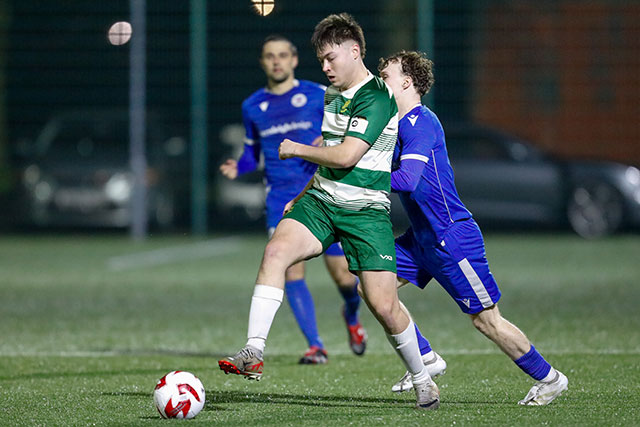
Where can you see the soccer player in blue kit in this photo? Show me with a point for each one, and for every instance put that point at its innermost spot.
(444, 242)
(290, 108)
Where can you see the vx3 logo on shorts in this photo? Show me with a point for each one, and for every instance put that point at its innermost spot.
(387, 257)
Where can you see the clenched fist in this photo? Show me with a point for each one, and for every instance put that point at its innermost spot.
(229, 169)
(287, 149)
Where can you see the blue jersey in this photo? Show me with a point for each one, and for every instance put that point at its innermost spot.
(268, 119)
(429, 195)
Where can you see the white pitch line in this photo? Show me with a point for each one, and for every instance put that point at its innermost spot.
(170, 255)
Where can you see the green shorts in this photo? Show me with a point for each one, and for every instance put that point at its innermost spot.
(366, 236)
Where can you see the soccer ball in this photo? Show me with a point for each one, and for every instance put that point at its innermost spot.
(179, 394)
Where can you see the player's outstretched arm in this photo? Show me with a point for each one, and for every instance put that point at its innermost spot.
(340, 156)
(229, 169)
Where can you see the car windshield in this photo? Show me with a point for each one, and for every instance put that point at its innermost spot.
(89, 140)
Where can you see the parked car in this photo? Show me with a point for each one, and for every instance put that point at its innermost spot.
(77, 173)
(505, 180)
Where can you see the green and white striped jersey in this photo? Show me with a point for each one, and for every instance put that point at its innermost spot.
(369, 112)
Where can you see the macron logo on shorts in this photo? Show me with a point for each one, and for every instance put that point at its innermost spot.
(387, 257)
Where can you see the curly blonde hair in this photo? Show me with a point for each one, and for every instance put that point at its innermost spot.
(415, 65)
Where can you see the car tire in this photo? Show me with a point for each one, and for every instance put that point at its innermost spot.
(595, 210)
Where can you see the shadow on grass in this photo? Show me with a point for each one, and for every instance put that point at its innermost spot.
(218, 397)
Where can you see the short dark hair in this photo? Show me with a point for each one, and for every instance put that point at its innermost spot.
(278, 38)
(336, 29)
(415, 65)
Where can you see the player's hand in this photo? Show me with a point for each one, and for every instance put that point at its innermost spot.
(318, 142)
(229, 169)
(289, 206)
(287, 149)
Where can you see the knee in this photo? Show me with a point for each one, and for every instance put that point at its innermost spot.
(274, 251)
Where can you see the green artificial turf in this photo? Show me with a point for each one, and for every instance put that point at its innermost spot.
(90, 323)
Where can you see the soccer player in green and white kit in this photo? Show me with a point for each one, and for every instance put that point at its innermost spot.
(346, 201)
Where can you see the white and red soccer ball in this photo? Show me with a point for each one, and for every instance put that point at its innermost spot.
(179, 394)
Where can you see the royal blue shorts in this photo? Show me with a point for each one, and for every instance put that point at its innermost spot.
(458, 263)
(275, 204)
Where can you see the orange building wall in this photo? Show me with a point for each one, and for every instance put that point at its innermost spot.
(565, 75)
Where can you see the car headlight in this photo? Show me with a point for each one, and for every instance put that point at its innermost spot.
(31, 176)
(118, 188)
(43, 191)
(632, 175)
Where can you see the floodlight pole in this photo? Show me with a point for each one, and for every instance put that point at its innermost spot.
(424, 36)
(199, 156)
(137, 119)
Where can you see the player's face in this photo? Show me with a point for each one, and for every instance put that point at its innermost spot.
(278, 61)
(339, 63)
(393, 76)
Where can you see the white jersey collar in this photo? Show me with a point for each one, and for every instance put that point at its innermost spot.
(352, 91)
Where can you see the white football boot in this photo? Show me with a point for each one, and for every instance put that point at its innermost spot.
(435, 365)
(427, 396)
(543, 393)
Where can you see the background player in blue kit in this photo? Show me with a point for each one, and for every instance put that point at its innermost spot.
(444, 242)
(290, 108)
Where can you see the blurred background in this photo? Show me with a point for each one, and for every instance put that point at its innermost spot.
(540, 101)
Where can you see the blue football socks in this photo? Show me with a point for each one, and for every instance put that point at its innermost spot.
(423, 343)
(301, 304)
(534, 364)
(351, 303)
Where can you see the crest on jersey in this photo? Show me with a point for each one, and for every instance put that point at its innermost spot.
(298, 100)
(264, 105)
(345, 106)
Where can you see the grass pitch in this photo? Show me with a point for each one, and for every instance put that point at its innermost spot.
(90, 323)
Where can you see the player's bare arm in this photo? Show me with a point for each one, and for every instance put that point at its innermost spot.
(229, 169)
(340, 156)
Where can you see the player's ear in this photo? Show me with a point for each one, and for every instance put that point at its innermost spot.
(294, 61)
(355, 51)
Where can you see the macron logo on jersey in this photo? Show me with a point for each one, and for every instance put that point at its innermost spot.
(413, 119)
(285, 128)
(264, 105)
